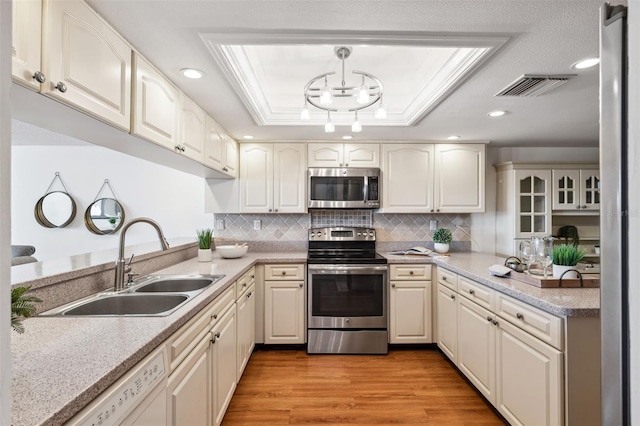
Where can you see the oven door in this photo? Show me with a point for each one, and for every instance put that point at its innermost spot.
(347, 296)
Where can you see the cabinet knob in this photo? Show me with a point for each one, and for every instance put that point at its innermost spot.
(437, 210)
(244, 284)
(431, 210)
(284, 272)
(410, 272)
(249, 295)
(584, 206)
(270, 210)
(214, 316)
(495, 322)
(453, 297)
(218, 335)
(300, 285)
(341, 164)
(253, 276)
(346, 164)
(444, 278)
(393, 285)
(276, 210)
(489, 319)
(224, 169)
(519, 315)
(177, 148)
(578, 207)
(471, 292)
(39, 77)
(61, 87)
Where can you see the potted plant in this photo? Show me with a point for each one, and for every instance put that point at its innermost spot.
(112, 221)
(21, 307)
(565, 257)
(441, 240)
(204, 244)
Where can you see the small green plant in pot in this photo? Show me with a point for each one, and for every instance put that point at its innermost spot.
(565, 257)
(22, 306)
(441, 239)
(205, 236)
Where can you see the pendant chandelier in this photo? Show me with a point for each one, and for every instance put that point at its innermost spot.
(322, 95)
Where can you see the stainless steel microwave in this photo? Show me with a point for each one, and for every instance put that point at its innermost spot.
(344, 188)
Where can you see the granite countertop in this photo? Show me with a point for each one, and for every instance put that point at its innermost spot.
(60, 364)
(565, 302)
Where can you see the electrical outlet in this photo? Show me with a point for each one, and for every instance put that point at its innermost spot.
(257, 224)
(433, 225)
(219, 223)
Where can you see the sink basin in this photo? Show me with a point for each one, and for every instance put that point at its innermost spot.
(180, 284)
(129, 304)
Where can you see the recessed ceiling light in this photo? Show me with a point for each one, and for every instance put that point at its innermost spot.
(192, 73)
(586, 63)
(497, 113)
(347, 137)
(247, 137)
(453, 137)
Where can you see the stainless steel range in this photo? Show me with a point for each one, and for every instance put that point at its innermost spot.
(347, 298)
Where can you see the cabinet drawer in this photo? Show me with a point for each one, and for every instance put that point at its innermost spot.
(411, 272)
(284, 272)
(482, 295)
(245, 281)
(447, 278)
(185, 339)
(541, 324)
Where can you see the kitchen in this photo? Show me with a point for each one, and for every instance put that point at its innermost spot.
(481, 226)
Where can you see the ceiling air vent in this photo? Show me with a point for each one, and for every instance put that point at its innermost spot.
(534, 85)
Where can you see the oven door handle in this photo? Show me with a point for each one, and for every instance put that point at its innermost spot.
(349, 269)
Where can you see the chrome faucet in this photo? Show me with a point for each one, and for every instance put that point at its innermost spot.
(122, 267)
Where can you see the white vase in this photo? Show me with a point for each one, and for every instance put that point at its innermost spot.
(441, 247)
(204, 255)
(558, 270)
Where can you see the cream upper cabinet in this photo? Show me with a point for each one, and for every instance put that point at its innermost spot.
(156, 104)
(459, 178)
(447, 321)
(192, 130)
(343, 155)
(576, 189)
(87, 63)
(272, 178)
(26, 43)
(533, 203)
(407, 178)
(220, 150)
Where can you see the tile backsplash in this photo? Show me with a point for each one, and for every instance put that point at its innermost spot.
(290, 228)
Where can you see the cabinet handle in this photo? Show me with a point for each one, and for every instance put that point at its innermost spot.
(471, 292)
(215, 337)
(177, 148)
(489, 319)
(300, 285)
(39, 77)
(519, 315)
(410, 272)
(393, 285)
(61, 87)
(453, 297)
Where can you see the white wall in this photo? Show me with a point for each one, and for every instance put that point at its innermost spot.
(173, 198)
(5, 217)
(559, 154)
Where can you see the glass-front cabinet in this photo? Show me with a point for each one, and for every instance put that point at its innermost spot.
(533, 203)
(576, 189)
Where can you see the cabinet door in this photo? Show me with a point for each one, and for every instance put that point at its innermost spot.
(284, 312)
(410, 312)
(214, 145)
(86, 56)
(477, 347)
(192, 129)
(459, 178)
(189, 388)
(529, 378)
(26, 42)
(230, 156)
(566, 192)
(590, 189)
(246, 328)
(533, 203)
(325, 155)
(361, 155)
(256, 178)
(223, 359)
(447, 322)
(155, 105)
(407, 178)
(289, 178)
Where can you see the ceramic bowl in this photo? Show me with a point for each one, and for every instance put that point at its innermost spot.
(232, 252)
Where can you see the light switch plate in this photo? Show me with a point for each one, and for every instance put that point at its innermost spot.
(219, 223)
(257, 224)
(433, 225)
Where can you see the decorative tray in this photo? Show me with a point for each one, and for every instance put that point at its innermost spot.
(587, 281)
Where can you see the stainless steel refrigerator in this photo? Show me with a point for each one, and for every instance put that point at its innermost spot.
(614, 316)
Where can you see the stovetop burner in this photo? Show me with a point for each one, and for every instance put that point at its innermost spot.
(343, 245)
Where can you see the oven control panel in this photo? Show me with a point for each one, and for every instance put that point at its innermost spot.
(342, 234)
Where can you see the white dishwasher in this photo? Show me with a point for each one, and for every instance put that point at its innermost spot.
(137, 398)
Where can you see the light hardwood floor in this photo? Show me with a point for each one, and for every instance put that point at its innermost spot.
(406, 386)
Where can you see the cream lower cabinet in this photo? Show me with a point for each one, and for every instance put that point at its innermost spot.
(246, 310)
(284, 304)
(223, 361)
(410, 304)
(446, 313)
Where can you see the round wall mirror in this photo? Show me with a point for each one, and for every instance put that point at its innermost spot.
(55, 210)
(104, 216)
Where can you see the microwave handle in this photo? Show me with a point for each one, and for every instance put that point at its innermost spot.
(365, 190)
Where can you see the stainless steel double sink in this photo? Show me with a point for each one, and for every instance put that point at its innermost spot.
(151, 295)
